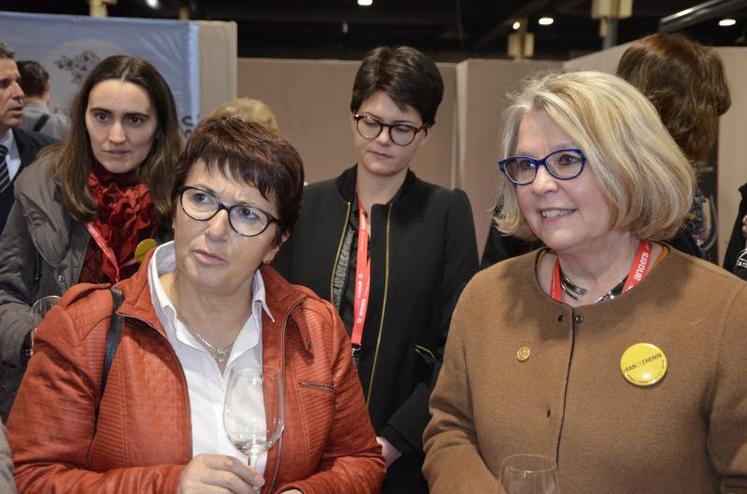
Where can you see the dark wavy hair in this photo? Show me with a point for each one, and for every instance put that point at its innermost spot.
(685, 81)
(75, 157)
(252, 154)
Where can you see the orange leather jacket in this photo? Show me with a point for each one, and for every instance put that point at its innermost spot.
(142, 438)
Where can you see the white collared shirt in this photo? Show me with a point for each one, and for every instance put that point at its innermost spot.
(205, 382)
(13, 158)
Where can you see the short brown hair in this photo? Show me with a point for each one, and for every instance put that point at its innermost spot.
(643, 175)
(34, 78)
(248, 152)
(76, 158)
(686, 83)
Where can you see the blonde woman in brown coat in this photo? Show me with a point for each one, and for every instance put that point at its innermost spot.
(621, 359)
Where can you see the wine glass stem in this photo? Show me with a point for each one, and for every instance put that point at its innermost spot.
(253, 462)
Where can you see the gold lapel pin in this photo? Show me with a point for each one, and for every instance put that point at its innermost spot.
(523, 353)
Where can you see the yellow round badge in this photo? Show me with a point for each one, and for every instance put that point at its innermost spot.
(643, 364)
(143, 248)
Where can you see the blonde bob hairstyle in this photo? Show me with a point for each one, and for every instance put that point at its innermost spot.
(643, 175)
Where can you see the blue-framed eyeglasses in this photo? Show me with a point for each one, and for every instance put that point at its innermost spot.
(245, 219)
(563, 164)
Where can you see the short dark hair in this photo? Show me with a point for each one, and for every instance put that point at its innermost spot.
(33, 77)
(404, 74)
(76, 158)
(248, 152)
(6, 51)
(685, 81)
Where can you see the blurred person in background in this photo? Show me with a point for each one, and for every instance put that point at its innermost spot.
(36, 114)
(18, 148)
(249, 110)
(687, 85)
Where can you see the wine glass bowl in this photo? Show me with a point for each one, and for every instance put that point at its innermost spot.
(253, 414)
(529, 474)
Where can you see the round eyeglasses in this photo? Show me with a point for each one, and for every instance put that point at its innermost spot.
(400, 134)
(245, 219)
(563, 164)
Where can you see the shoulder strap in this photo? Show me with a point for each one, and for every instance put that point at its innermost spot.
(40, 123)
(112, 339)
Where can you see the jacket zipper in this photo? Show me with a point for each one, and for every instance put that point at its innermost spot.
(383, 305)
(282, 398)
(339, 250)
(565, 390)
(320, 386)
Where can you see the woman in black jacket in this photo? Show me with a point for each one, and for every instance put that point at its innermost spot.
(390, 251)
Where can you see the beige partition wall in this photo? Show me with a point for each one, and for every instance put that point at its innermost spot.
(311, 99)
(218, 59)
(482, 87)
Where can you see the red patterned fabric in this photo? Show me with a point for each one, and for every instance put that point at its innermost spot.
(125, 217)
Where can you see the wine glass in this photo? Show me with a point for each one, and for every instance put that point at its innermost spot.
(39, 310)
(253, 412)
(529, 474)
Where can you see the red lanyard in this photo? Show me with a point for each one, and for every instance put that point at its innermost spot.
(96, 235)
(362, 277)
(638, 271)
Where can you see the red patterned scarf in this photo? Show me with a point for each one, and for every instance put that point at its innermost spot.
(125, 217)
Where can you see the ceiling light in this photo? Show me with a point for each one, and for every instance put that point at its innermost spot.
(516, 25)
(727, 22)
(154, 4)
(545, 21)
(365, 3)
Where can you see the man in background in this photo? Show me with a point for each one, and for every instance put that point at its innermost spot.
(18, 148)
(36, 113)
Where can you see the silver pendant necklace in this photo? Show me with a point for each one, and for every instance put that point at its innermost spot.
(576, 292)
(220, 354)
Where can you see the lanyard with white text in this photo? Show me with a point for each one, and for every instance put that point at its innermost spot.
(638, 271)
(362, 281)
(108, 252)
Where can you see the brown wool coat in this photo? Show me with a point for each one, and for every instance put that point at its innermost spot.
(569, 400)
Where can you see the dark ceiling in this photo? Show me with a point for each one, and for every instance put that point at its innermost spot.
(449, 30)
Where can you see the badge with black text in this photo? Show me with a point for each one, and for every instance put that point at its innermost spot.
(643, 364)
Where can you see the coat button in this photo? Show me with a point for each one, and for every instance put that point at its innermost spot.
(578, 318)
(60, 278)
(561, 318)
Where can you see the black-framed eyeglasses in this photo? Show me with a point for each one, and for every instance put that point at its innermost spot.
(400, 134)
(563, 164)
(245, 219)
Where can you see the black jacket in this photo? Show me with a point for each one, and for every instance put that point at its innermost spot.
(423, 251)
(29, 144)
(736, 241)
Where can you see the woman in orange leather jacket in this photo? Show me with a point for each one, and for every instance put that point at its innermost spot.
(156, 425)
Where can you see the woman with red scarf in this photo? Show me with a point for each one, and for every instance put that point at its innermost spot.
(91, 206)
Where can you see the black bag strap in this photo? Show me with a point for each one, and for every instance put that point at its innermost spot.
(112, 340)
(40, 123)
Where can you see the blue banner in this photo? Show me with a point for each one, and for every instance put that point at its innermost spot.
(70, 46)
